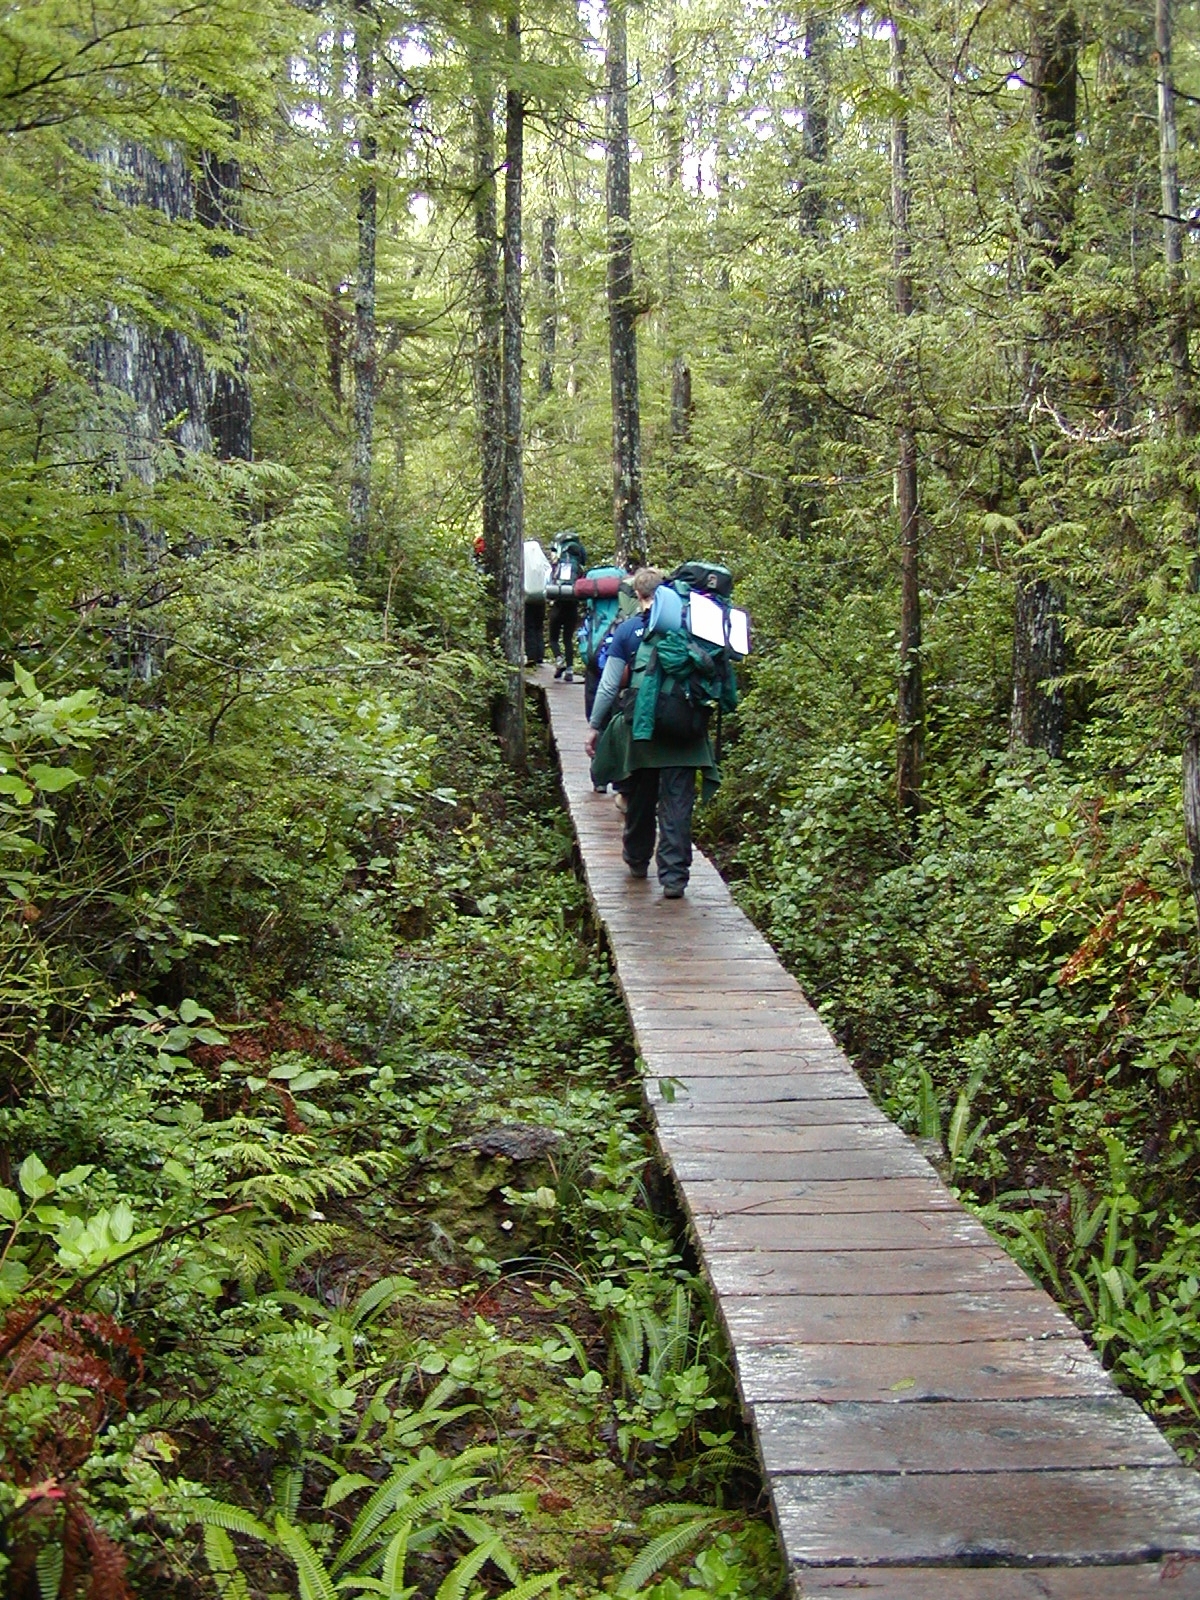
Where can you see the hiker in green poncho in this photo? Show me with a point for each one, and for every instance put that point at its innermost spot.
(648, 733)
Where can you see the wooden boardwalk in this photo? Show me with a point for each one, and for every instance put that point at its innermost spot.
(930, 1425)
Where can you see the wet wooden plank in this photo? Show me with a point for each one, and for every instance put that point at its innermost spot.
(828, 1233)
(925, 1319)
(716, 1167)
(757, 1085)
(841, 1272)
(987, 1369)
(1174, 1579)
(1050, 1433)
(764, 1060)
(783, 1139)
(822, 1197)
(687, 1111)
(1069, 1517)
(684, 1110)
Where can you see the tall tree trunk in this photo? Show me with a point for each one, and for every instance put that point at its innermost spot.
(549, 303)
(1038, 717)
(1168, 164)
(364, 362)
(219, 207)
(629, 516)
(488, 315)
(157, 385)
(1168, 159)
(801, 501)
(681, 373)
(512, 571)
(910, 701)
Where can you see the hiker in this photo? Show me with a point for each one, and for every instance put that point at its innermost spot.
(657, 773)
(568, 558)
(537, 571)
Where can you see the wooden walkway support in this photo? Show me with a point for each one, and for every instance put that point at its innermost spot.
(930, 1425)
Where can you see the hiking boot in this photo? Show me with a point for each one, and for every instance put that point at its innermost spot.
(640, 869)
(621, 803)
(568, 676)
(673, 891)
(599, 788)
(559, 669)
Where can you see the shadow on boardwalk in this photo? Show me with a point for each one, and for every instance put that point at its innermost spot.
(930, 1425)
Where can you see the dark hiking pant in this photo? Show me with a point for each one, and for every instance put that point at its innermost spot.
(591, 682)
(564, 619)
(666, 795)
(535, 632)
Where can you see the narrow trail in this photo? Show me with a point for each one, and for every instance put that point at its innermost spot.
(930, 1425)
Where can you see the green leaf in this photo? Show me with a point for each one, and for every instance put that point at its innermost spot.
(24, 681)
(120, 1222)
(10, 1206)
(50, 780)
(17, 787)
(34, 1179)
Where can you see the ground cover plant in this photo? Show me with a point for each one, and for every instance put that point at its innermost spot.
(372, 1285)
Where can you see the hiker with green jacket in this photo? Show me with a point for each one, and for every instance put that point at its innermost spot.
(629, 745)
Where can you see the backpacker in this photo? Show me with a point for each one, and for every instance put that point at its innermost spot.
(609, 600)
(568, 559)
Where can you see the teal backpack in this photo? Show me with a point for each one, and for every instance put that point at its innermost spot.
(602, 616)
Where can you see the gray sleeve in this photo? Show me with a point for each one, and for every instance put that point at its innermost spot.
(606, 693)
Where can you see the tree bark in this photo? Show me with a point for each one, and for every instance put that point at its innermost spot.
(488, 316)
(629, 517)
(549, 304)
(801, 502)
(681, 373)
(512, 571)
(1038, 715)
(1168, 164)
(364, 355)
(219, 207)
(156, 385)
(910, 702)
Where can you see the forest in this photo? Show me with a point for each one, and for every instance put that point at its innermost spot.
(333, 1253)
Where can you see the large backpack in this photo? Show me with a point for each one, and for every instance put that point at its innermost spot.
(715, 584)
(568, 559)
(608, 600)
(688, 681)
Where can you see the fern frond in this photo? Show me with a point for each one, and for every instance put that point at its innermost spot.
(287, 1485)
(457, 1582)
(218, 1514)
(223, 1564)
(393, 1565)
(342, 1488)
(49, 1567)
(381, 1505)
(381, 1296)
(522, 1504)
(662, 1550)
(532, 1587)
(315, 1582)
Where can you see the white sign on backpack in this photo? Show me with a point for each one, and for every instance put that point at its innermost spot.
(706, 620)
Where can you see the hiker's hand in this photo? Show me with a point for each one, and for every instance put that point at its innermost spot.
(589, 744)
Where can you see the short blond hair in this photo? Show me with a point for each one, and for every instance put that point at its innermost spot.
(645, 581)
